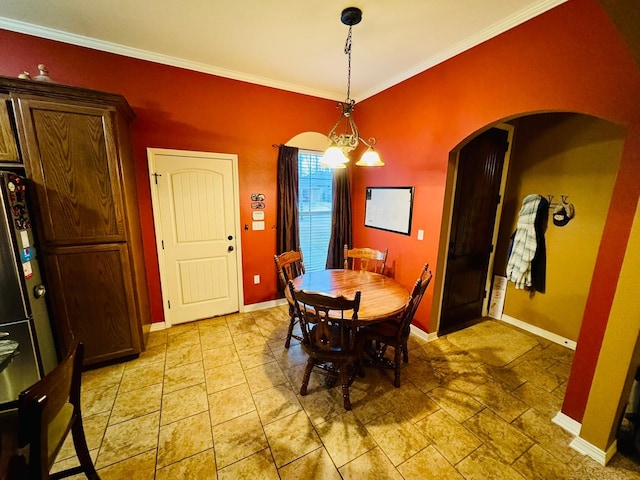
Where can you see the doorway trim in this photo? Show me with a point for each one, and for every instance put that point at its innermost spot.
(447, 216)
(152, 153)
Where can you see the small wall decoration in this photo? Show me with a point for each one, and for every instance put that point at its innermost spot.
(562, 212)
(257, 201)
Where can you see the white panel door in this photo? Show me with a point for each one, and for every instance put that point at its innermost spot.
(196, 233)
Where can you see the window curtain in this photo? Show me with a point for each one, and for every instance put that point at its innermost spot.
(287, 221)
(340, 218)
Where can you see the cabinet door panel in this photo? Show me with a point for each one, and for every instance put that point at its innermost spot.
(72, 162)
(91, 301)
(8, 146)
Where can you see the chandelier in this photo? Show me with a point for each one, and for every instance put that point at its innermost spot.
(342, 143)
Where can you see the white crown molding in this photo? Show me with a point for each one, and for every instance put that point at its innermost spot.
(110, 47)
(466, 44)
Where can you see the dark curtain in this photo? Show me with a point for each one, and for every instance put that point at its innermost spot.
(287, 222)
(340, 218)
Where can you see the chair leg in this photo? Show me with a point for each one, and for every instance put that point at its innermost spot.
(305, 379)
(405, 352)
(292, 322)
(399, 351)
(82, 450)
(344, 376)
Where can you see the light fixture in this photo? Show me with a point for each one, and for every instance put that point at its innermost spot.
(341, 144)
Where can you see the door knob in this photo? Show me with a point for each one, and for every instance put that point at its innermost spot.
(230, 249)
(230, 237)
(39, 291)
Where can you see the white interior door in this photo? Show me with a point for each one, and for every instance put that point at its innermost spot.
(196, 217)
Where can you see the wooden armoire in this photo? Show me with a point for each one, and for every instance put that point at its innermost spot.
(75, 146)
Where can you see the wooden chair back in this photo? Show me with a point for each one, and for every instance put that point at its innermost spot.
(289, 265)
(326, 336)
(413, 303)
(47, 411)
(365, 259)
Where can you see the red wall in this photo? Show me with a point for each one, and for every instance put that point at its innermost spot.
(568, 59)
(185, 110)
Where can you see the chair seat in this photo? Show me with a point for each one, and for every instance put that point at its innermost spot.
(386, 331)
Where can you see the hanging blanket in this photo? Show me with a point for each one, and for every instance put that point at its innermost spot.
(524, 243)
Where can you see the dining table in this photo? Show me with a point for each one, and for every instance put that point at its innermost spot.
(381, 297)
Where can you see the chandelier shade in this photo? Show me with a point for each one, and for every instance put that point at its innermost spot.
(336, 156)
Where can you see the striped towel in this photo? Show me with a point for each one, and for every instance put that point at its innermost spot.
(524, 243)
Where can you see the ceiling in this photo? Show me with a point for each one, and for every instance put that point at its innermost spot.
(295, 45)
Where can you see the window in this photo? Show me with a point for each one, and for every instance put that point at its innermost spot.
(315, 200)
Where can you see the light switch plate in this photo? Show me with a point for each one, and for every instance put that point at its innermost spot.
(258, 225)
(420, 234)
(257, 215)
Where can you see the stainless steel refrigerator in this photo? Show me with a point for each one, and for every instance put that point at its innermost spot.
(23, 311)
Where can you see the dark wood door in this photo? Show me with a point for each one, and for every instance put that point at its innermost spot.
(474, 211)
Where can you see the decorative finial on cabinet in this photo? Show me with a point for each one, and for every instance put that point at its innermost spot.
(25, 76)
(44, 74)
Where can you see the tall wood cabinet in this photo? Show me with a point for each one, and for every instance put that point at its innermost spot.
(76, 150)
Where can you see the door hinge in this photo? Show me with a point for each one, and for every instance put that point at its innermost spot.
(156, 175)
(499, 199)
(169, 303)
(162, 241)
(490, 248)
(485, 294)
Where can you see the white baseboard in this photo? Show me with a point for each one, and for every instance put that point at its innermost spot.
(569, 424)
(565, 342)
(157, 326)
(427, 337)
(594, 452)
(262, 305)
(246, 308)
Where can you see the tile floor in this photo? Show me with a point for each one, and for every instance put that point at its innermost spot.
(217, 399)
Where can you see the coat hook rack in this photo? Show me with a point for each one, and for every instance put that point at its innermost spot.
(553, 204)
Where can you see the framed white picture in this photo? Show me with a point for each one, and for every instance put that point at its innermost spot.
(389, 208)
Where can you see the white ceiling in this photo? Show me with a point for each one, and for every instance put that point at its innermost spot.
(295, 45)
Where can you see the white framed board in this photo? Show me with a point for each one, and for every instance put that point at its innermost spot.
(389, 208)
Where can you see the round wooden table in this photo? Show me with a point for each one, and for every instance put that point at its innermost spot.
(381, 297)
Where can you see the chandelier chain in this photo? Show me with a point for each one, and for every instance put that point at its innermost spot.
(347, 51)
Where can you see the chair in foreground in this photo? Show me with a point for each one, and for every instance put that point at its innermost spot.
(289, 265)
(395, 331)
(365, 259)
(47, 411)
(332, 342)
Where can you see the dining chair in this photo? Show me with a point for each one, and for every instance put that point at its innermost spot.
(365, 259)
(289, 265)
(395, 331)
(47, 412)
(332, 342)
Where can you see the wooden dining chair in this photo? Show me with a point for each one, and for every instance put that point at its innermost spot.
(365, 259)
(395, 331)
(332, 342)
(289, 265)
(47, 412)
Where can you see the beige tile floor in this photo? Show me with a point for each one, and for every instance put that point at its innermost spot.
(219, 399)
